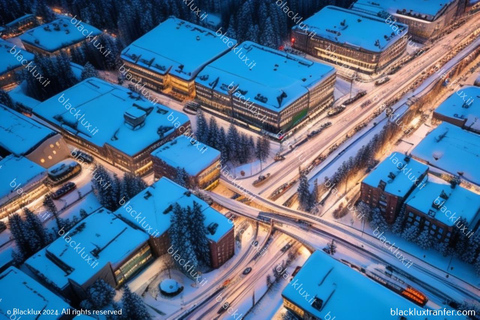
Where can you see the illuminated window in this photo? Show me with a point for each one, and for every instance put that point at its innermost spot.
(58, 144)
(50, 157)
(51, 146)
(42, 160)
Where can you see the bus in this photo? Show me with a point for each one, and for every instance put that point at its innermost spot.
(63, 171)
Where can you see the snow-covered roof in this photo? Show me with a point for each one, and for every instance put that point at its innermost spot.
(176, 46)
(425, 9)
(21, 171)
(400, 174)
(187, 153)
(344, 292)
(25, 293)
(58, 34)
(463, 105)
(21, 19)
(462, 202)
(275, 73)
(355, 29)
(453, 150)
(20, 134)
(95, 101)
(155, 202)
(8, 59)
(106, 239)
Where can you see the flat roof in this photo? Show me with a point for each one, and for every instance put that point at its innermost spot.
(105, 239)
(176, 46)
(425, 9)
(154, 204)
(463, 202)
(95, 101)
(355, 29)
(8, 58)
(275, 73)
(25, 293)
(58, 34)
(453, 150)
(398, 181)
(186, 153)
(463, 105)
(20, 134)
(18, 171)
(339, 286)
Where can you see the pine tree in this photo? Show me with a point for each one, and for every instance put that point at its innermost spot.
(50, 205)
(398, 226)
(199, 233)
(19, 234)
(213, 133)
(177, 218)
(43, 11)
(304, 196)
(202, 132)
(33, 223)
(182, 177)
(133, 306)
(314, 194)
(99, 295)
(378, 220)
(477, 266)
(473, 248)
(410, 233)
(425, 239)
(102, 185)
(462, 242)
(6, 100)
(268, 37)
(89, 71)
(232, 143)
(332, 247)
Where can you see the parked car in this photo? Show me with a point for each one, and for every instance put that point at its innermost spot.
(68, 187)
(247, 270)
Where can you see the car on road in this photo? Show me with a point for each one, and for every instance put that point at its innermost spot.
(247, 270)
(255, 243)
(68, 187)
(224, 308)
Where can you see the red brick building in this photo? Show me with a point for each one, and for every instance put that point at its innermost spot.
(151, 209)
(392, 181)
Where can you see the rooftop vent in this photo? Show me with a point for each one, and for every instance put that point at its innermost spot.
(134, 117)
(212, 228)
(147, 195)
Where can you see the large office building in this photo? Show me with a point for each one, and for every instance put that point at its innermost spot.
(155, 205)
(438, 205)
(22, 181)
(200, 162)
(451, 152)
(425, 19)
(112, 123)
(326, 289)
(24, 293)
(11, 58)
(18, 26)
(462, 109)
(168, 58)
(23, 136)
(351, 39)
(391, 182)
(59, 35)
(274, 93)
(101, 246)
